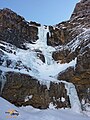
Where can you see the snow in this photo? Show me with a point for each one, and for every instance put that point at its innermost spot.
(45, 73)
(27, 98)
(62, 99)
(83, 101)
(87, 109)
(30, 113)
(39, 68)
(87, 106)
(79, 40)
(41, 44)
(84, 36)
(51, 106)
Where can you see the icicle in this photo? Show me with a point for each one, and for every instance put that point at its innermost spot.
(47, 83)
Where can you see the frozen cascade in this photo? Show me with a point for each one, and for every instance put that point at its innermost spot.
(74, 100)
(44, 72)
(2, 80)
(47, 50)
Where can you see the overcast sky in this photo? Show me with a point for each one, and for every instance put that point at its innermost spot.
(47, 12)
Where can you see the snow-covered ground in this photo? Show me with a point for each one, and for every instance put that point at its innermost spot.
(30, 113)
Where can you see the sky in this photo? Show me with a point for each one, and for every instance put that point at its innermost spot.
(46, 12)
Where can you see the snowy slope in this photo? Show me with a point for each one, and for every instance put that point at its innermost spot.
(30, 113)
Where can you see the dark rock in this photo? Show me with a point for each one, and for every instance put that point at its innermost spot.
(15, 30)
(80, 77)
(8, 62)
(83, 62)
(66, 31)
(34, 23)
(67, 74)
(58, 36)
(1, 57)
(62, 56)
(41, 57)
(18, 87)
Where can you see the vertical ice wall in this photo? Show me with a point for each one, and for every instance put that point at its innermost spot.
(74, 100)
(46, 50)
(2, 79)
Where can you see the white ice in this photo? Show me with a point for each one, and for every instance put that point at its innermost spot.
(44, 72)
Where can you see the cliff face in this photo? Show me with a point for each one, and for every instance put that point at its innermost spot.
(78, 47)
(26, 90)
(35, 58)
(15, 30)
(66, 31)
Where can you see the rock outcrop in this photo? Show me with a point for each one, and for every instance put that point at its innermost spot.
(21, 89)
(15, 30)
(78, 27)
(65, 31)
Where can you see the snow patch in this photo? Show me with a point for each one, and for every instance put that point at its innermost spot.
(27, 98)
(51, 106)
(63, 99)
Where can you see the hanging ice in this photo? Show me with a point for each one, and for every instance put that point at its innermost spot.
(43, 31)
(74, 100)
(2, 79)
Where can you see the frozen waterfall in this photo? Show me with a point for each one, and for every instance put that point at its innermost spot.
(47, 50)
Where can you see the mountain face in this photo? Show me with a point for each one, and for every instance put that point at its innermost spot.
(43, 65)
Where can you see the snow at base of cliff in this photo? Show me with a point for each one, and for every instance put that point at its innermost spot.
(30, 113)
